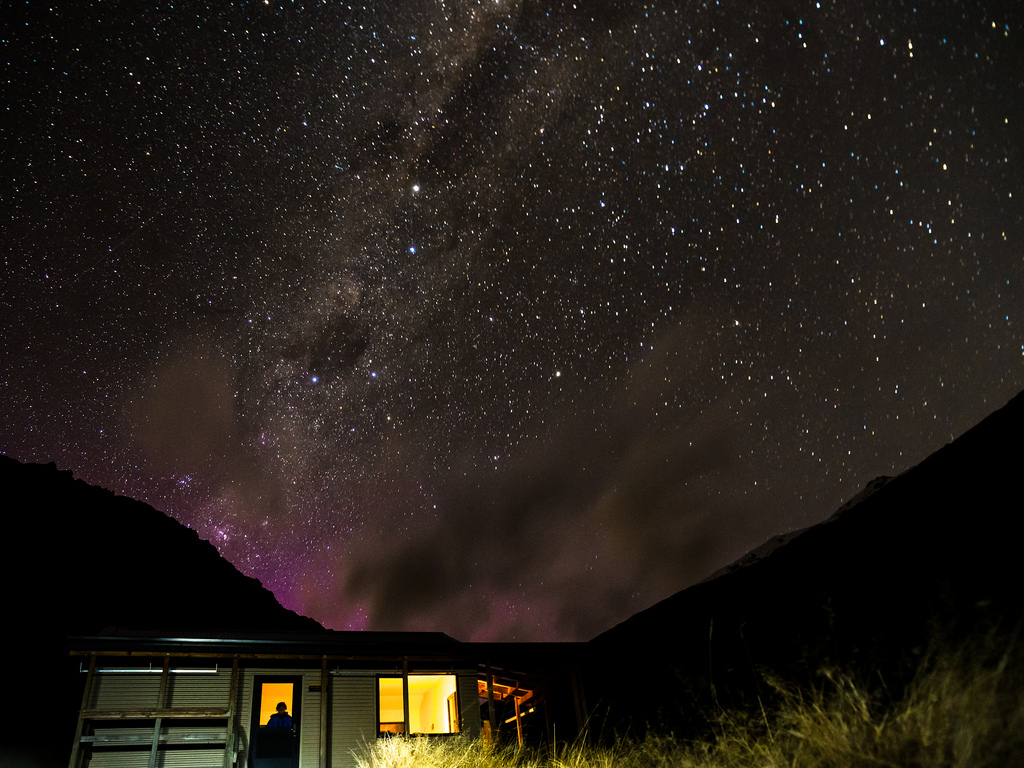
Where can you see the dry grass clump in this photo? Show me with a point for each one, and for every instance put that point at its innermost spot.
(964, 709)
(419, 752)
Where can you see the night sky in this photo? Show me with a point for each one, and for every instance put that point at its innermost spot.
(504, 319)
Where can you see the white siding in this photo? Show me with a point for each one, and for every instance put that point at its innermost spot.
(190, 759)
(244, 715)
(118, 691)
(308, 716)
(138, 759)
(353, 718)
(124, 691)
(309, 734)
(352, 714)
(199, 691)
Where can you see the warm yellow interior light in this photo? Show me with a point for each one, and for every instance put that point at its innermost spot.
(274, 694)
(433, 706)
(392, 710)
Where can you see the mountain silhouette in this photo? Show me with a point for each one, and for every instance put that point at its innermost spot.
(929, 556)
(81, 559)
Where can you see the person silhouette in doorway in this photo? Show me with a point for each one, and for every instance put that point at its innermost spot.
(281, 718)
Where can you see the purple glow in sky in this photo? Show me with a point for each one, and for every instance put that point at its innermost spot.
(504, 319)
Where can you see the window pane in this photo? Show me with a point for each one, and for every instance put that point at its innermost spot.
(433, 707)
(392, 709)
(273, 693)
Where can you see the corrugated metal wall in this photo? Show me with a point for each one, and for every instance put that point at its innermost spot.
(353, 718)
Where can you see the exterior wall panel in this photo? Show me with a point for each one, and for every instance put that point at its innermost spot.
(309, 726)
(127, 691)
(205, 691)
(120, 760)
(244, 715)
(353, 718)
(469, 706)
(140, 691)
(308, 717)
(191, 759)
(123, 707)
(124, 691)
(199, 758)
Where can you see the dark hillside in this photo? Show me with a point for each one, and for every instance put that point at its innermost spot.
(931, 553)
(81, 559)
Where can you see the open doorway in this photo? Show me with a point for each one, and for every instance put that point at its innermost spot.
(276, 720)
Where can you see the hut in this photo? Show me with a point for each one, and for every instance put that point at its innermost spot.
(159, 699)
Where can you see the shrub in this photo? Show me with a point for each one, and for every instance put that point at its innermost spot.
(965, 707)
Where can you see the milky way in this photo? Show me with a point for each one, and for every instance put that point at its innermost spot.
(504, 319)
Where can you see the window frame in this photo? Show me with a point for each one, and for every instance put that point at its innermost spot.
(449, 710)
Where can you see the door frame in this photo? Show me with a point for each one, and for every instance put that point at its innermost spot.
(258, 682)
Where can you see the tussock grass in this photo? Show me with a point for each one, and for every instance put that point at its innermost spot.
(964, 709)
(417, 752)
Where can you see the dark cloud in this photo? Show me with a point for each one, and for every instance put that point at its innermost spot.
(186, 419)
(588, 523)
(186, 416)
(504, 319)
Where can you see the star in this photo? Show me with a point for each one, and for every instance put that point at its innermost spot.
(304, 281)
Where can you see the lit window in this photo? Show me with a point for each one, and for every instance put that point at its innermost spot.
(433, 705)
(272, 695)
(392, 711)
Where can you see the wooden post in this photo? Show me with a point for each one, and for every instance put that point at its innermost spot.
(548, 725)
(405, 692)
(492, 716)
(578, 700)
(73, 762)
(519, 720)
(229, 728)
(161, 700)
